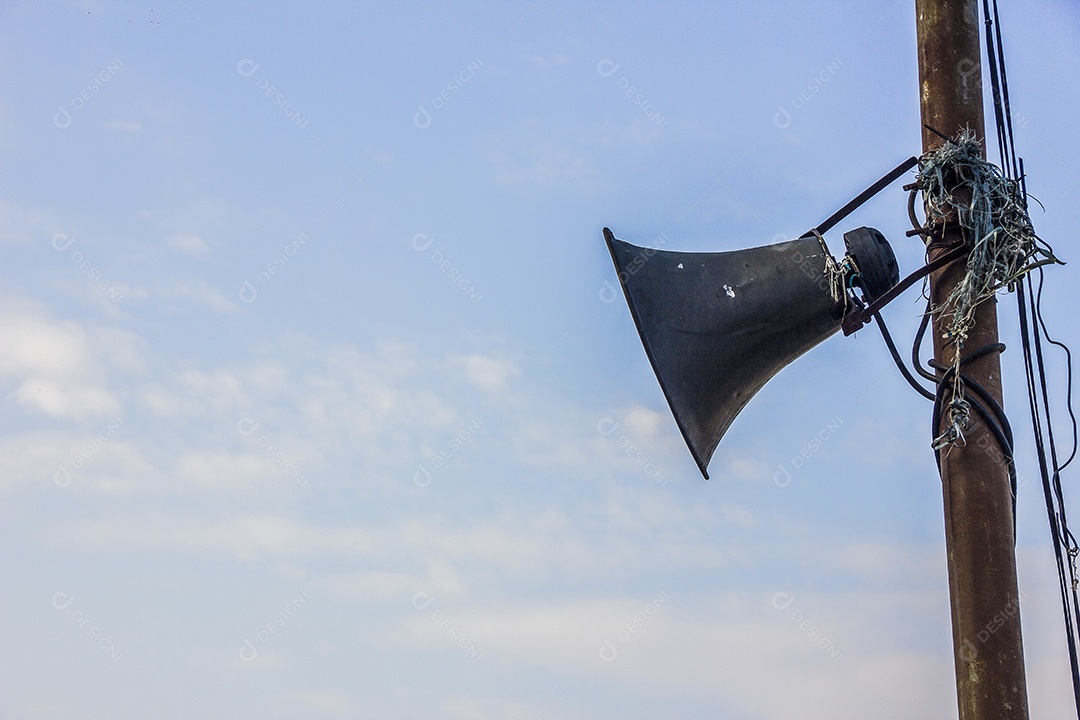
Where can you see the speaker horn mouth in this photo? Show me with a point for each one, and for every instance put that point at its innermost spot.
(717, 326)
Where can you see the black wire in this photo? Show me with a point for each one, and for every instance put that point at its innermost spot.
(993, 416)
(917, 227)
(1005, 96)
(984, 394)
(1033, 329)
(989, 409)
(1055, 480)
(1070, 611)
(995, 81)
(986, 406)
(899, 361)
(1068, 370)
(915, 361)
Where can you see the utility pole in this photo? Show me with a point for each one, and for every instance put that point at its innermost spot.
(979, 536)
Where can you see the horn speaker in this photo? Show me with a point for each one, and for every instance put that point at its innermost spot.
(716, 326)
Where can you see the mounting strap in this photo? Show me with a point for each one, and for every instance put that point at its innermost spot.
(865, 195)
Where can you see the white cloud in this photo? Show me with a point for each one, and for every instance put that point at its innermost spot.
(645, 423)
(120, 349)
(67, 400)
(202, 294)
(245, 537)
(188, 243)
(487, 373)
(328, 703)
(725, 646)
(468, 708)
(54, 366)
(357, 422)
(19, 225)
(34, 458)
(746, 656)
(222, 471)
(36, 346)
(375, 586)
(98, 459)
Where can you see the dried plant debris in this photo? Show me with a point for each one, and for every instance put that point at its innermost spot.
(1004, 246)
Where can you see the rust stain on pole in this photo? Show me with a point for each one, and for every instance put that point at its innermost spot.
(987, 643)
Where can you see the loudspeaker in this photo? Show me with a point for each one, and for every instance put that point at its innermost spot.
(716, 326)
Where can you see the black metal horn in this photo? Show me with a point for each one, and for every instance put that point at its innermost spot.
(716, 326)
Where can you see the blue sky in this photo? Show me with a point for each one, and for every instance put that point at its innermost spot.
(315, 403)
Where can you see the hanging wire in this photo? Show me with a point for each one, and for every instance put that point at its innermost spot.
(1068, 367)
(956, 394)
(887, 337)
(1033, 332)
(1005, 251)
(1050, 472)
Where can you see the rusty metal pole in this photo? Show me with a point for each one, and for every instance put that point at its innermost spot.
(979, 537)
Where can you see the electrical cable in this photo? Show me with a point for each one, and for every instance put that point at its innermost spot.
(917, 345)
(1058, 533)
(899, 361)
(1033, 330)
(956, 392)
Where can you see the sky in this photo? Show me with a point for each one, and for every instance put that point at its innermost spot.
(317, 401)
